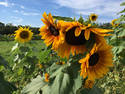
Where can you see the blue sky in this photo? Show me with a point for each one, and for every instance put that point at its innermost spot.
(29, 12)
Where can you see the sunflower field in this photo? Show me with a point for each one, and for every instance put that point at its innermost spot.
(68, 56)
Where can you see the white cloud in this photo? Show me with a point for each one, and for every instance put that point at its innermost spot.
(16, 20)
(29, 13)
(26, 13)
(85, 7)
(4, 4)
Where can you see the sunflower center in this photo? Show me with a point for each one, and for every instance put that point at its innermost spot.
(73, 40)
(93, 59)
(54, 31)
(93, 17)
(24, 34)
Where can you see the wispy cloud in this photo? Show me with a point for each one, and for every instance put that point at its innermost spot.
(16, 20)
(29, 13)
(85, 7)
(6, 3)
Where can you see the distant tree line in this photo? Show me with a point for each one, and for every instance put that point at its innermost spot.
(10, 28)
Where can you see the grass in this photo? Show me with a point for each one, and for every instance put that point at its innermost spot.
(6, 46)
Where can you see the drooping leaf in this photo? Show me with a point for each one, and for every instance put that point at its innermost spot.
(61, 84)
(35, 85)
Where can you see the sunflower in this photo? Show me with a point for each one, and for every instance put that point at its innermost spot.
(113, 23)
(74, 40)
(51, 32)
(23, 34)
(78, 36)
(98, 31)
(95, 64)
(93, 17)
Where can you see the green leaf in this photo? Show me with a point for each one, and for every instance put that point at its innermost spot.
(61, 84)
(81, 20)
(121, 33)
(122, 4)
(76, 79)
(20, 71)
(76, 84)
(67, 80)
(35, 85)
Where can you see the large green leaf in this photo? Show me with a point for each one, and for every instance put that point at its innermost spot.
(34, 86)
(63, 80)
(61, 84)
(76, 79)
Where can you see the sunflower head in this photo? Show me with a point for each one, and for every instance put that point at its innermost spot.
(74, 40)
(93, 17)
(95, 64)
(51, 32)
(75, 34)
(23, 34)
(114, 24)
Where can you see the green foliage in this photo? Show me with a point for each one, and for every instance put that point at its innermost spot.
(35, 86)
(113, 83)
(64, 79)
(94, 90)
(81, 20)
(122, 4)
(5, 86)
(122, 11)
(63, 18)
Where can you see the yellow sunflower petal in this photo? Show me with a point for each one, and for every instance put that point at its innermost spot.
(77, 32)
(87, 34)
